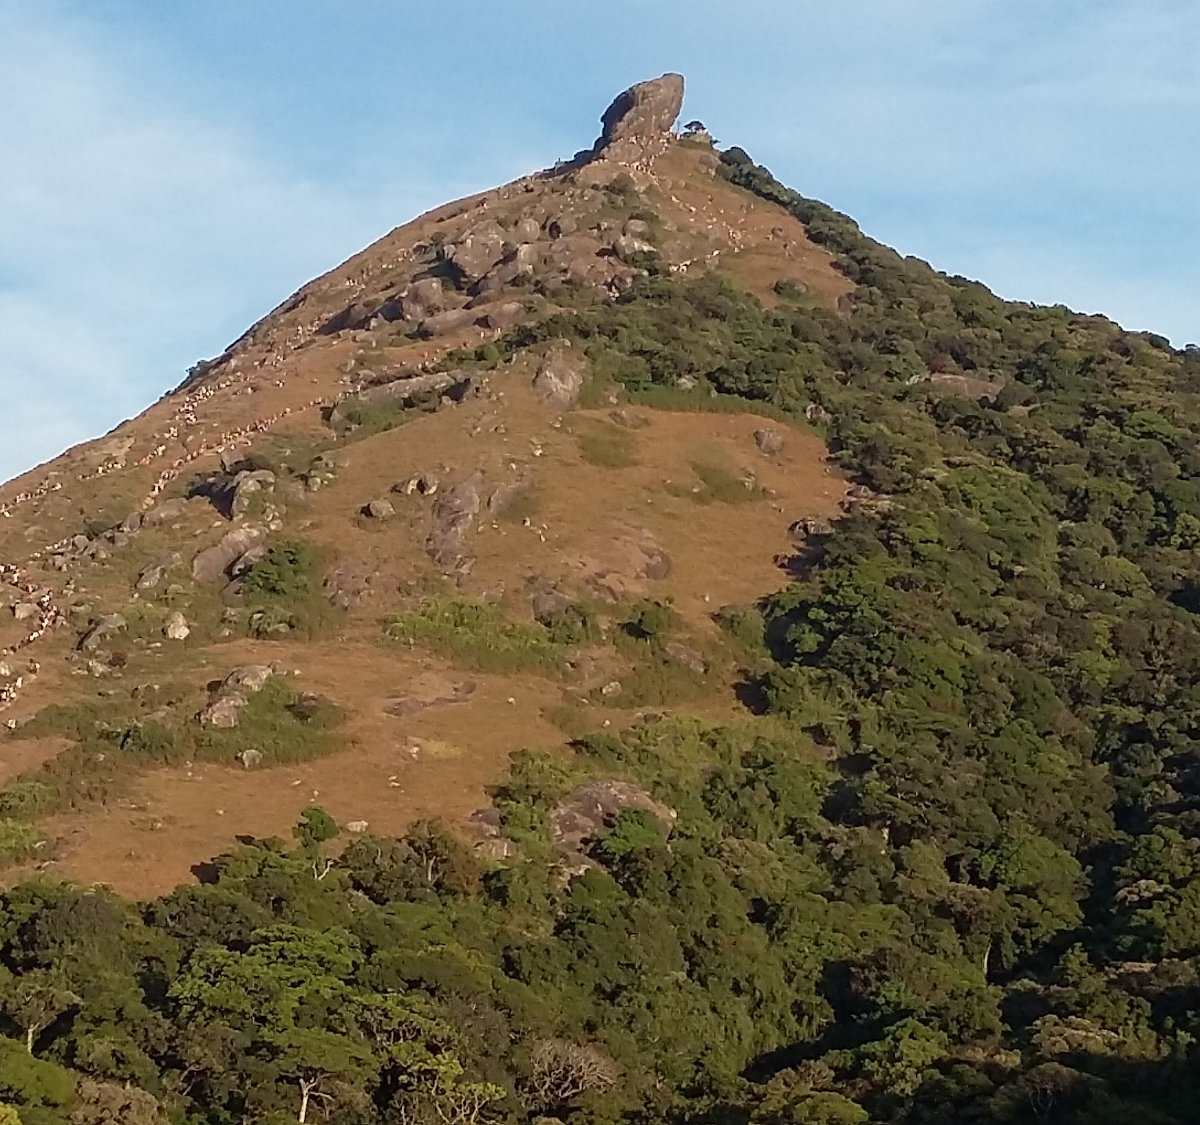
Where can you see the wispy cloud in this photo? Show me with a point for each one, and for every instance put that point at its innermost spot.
(136, 238)
(169, 172)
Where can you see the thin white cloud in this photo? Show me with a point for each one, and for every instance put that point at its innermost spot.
(135, 239)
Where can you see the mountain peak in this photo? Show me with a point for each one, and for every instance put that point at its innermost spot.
(637, 125)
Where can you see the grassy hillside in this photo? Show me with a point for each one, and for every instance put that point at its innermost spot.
(893, 824)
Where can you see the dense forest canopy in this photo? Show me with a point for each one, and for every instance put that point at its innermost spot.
(948, 873)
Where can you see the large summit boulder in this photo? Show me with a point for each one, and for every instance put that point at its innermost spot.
(637, 125)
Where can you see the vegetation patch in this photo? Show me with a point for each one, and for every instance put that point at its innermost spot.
(277, 724)
(282, 591)
(477, 635)
(719, 483)
(607, 446)
(117, 737)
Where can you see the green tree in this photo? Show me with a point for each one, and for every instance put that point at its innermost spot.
(34, 1000)
(315, 827)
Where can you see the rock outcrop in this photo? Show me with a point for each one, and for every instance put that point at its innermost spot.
(454, 515)
(637, 126)
(214, 563)
(560, 377)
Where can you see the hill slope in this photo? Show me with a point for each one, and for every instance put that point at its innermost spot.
(840, 616)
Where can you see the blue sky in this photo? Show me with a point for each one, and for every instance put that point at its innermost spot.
(170, 171)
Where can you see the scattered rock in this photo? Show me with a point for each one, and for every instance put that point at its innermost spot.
(244, 563)
(527, 230)
(348, 585)
(224, 711)
(560, 377)
(657, 565)
(504, 316)
(214, 563)
(102, 631)
(561, 226)
(176, 628)
(806, 528)
(166, 512)
(131, 523)
(492, 843)
(247, 679)
(769, 442)
(423, 485)
(356, 827)
(628, 248)
(23, 611)
(449, 321)
(245, 487)
(548, 600)
(686, 656)
(250, 758)
(152, 576)
(378, 510)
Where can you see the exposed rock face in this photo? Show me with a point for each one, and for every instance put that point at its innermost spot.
(409, 388)
(421, 299)
(769, 442)
(560, 377)
(588, 811)
(637, 125)
(454, 515)
(478, 251)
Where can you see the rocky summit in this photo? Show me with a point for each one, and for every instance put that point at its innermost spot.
(624, 646)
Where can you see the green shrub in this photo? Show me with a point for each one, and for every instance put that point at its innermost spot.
(315, 827)
(745, 625)
(283, 591)
(652, 621)
(23, 800)
(17, 840)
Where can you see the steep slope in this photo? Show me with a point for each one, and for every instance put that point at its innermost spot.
(799, 647)
(604, 502)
